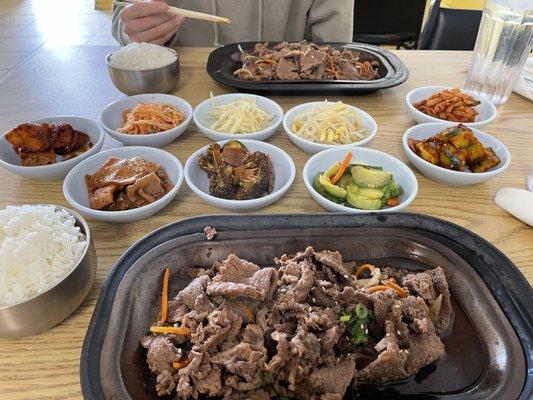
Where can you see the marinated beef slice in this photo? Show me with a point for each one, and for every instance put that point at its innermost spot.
(122, 184)
(265, 333)
(303, 60)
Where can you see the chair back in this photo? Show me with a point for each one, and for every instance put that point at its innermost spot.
(389, 22)
(450, 29)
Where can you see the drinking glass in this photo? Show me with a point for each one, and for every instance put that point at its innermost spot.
(502, 46)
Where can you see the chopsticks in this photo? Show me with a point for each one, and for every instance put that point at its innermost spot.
(185, 13)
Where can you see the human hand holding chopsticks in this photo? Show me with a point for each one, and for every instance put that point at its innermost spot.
(150, 22)
(156, 22)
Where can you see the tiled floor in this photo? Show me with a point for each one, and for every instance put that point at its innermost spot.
(28, 25)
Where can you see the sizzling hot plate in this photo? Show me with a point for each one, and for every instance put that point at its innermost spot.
(488, 350)
(222, 62)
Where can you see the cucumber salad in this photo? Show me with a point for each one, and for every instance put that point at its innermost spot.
(366, 187)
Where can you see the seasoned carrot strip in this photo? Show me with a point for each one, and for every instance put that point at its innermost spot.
(363, 268)
(378, 288)
(171, 329)
(150, 118)
(247, 311)
(163, 314)
(393, 201)
(342, 168)
(392, 283)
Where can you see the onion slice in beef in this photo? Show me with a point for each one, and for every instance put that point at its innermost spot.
(375, 278)
(434, 309)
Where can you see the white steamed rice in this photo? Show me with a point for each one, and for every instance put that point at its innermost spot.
(141, 56)
(39, 246)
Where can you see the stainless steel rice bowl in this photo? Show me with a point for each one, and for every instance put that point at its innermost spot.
(52, 306)
(156, 80)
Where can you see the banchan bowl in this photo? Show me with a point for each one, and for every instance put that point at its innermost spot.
(11, 160)
(401, 173)
(447, 176)
(487, 111)
(313, 147)
(284, 170)
(202, 118)
(75, 189)
(111, 119)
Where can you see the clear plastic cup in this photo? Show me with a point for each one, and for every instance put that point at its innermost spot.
(503, 44)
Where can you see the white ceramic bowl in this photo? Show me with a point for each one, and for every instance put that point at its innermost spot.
(11, 160)
(202, 118)
(446, 176)
(111, 119)
(75, 189)
(284, 171)
(401, 173)
(312, 147)
(487, 111)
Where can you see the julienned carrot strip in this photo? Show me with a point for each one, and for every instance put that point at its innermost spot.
(150, 118)
(362, 268)
(176, 330)
(378, 288)
(180, 364)
(342, 168)
(393, 201)
(163, 314)
(248, 312)
(392, 283)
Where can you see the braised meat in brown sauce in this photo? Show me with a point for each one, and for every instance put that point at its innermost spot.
(307, 329)
(293, 61)
(45, 144)
(121, 184)
(235, 173)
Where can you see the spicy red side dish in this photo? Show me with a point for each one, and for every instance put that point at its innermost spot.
(41, 144)
(450, 105)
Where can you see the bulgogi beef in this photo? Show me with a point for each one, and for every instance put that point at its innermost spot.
(121, 184)
(303, 60)
(306, 330)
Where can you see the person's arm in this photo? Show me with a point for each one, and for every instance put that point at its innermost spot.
(145, 22)
(330, 21)
(117, 27)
